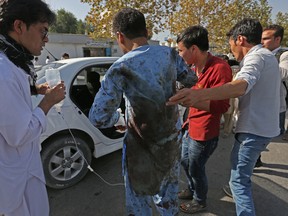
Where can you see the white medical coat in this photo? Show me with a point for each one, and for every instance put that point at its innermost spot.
(20, 130)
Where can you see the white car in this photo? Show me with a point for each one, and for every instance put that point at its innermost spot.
(64, 162)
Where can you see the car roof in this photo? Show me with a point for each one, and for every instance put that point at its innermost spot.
(86, 59)
(80, 62)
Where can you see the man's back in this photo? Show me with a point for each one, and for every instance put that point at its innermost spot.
(147, 78)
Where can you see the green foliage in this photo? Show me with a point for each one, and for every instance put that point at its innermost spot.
(102, 12)
(81, 27)
(282, 19)
(218, 16)
(66, 23)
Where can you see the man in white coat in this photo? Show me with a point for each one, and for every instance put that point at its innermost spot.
(23, 33)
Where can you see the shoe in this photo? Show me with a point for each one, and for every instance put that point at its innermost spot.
(192, 207)
(285, 136)
(227, 191)
(258, 163)
(185, 194)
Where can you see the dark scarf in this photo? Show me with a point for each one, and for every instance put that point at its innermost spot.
(20, 56)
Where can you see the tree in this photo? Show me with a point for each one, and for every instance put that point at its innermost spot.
(218, 16)
(262, 12)
(282, 19)
(66, 23)
(102, 12)
(81, 27)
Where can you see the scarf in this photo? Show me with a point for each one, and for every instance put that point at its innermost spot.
(21, 57)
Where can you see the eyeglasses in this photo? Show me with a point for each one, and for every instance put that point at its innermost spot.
(44, 33)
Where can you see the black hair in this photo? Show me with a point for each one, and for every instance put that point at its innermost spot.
(28, 11)
(279, 30)
(224, 57)
(65, 55)
(194, 35)
(130, 22)
(250, 28)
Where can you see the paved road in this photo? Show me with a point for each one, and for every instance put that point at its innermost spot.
(92, 197)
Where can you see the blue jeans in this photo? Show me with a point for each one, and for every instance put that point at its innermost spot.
(246, 150)
(166, 201)
(194, 156)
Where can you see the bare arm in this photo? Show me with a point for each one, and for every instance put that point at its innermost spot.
(191, 97)
(202, 105)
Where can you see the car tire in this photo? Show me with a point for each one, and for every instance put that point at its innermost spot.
(63, 161)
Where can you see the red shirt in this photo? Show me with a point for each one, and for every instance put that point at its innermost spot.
(205, 125)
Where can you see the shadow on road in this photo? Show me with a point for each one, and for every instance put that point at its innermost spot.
(93, 197)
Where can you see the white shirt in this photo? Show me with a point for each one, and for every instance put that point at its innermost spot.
(20, 130)
(260, 105)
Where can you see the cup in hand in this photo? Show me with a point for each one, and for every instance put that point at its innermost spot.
(52, 76)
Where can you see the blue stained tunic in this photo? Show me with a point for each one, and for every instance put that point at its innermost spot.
(146, 77)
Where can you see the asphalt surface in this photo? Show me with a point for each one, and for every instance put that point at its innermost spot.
(93, 197)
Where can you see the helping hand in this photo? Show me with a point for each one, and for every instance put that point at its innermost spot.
(185, 97)
(120, 124)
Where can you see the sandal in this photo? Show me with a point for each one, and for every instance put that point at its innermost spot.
(285, 136)
(227, 191)
(192, 207)
(185, 194)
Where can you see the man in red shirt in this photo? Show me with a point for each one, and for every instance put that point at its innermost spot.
(201, 138)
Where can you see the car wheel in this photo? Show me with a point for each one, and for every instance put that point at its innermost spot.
(63, 161)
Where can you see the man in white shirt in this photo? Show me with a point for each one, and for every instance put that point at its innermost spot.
(23, 33)
(271, 39)
(47, 60)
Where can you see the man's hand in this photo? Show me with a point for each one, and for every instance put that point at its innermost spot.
(42, 88)
(121, 128)
(185, 97)
(52, 96)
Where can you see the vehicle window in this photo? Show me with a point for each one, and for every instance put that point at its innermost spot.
(86, 85)
(100, 69)
(81, 78)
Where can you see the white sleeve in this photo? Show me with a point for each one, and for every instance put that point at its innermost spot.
(283, 64)
(19, 123)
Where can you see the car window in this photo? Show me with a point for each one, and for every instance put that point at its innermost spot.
(81, 78)
(86, 85)
(100, 69)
